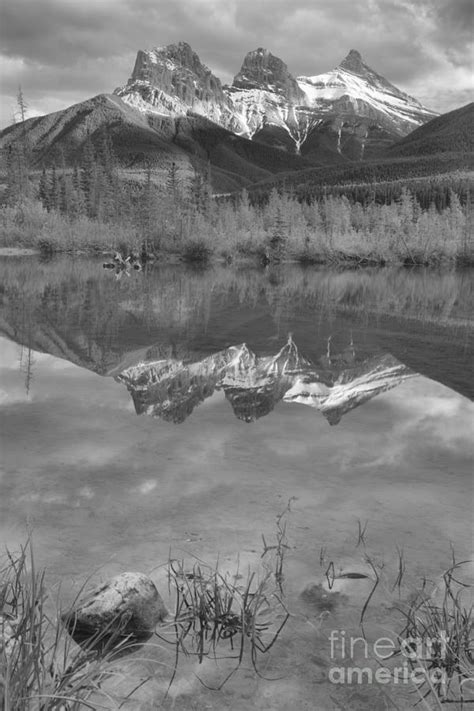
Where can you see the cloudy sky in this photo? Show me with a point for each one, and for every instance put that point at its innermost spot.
(64, 51)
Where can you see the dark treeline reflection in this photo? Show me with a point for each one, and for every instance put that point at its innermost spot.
(75, 309)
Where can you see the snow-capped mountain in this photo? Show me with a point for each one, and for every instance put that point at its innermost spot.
(253, 386)
(171, 389)
(354, 87)
(266, 103)
(172, 81)
(352, 387)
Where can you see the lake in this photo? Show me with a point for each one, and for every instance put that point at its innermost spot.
(136, 425)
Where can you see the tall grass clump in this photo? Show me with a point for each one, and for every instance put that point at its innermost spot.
(41, 668)
(216, 616)
(219, 615)
(438, 633)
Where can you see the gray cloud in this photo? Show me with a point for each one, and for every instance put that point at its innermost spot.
(62, 51)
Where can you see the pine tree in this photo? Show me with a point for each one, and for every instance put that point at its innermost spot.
(173, 184)
(22, 105)
(105, 155)
(54, 190)
(147, 211)
(44, 189)
(197, 193)
(77, 202)
(278, 239)
(201, 193)
(18, 159)
(88, 177)
(64, 198)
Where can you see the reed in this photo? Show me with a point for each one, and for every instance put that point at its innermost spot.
(41, 668)
(439, 635)
(218, 616)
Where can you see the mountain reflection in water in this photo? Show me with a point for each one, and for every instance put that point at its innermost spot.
(188, 321)
(253, 385)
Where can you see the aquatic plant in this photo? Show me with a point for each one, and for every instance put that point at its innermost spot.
(280, 547)
(218, 615)
(214, 610)
(439, 636)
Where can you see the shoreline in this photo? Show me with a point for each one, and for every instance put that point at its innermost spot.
(338, 261)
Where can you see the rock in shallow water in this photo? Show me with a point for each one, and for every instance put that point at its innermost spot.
(127, 606)
(323, 600)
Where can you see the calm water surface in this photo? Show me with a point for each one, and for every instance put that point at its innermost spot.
(133, 421)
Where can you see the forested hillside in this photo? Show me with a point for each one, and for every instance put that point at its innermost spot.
(450, 133)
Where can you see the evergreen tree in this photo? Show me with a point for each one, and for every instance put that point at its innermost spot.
(18, 185)
(77, 203)
(105, 155)
(44, 189)
(201, 193)
(54, 190)
(64, 198)
(88, 177)
(173, 187)
(278, 238)
(147, 210)
(22, 105)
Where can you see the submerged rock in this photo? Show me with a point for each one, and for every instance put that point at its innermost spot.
(126, 607)
(323, 600)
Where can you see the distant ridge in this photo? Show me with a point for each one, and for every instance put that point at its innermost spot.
(453, 131)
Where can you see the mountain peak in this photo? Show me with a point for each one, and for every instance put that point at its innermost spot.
(180, 54)
(353, 62)
(171, 80)
(263, 70)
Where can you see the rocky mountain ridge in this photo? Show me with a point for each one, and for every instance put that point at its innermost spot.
(267, 103)
(171, 81)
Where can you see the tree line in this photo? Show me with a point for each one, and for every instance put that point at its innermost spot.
(418, 222)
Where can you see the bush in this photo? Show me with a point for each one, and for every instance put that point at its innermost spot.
(196, 250)
(28, 224)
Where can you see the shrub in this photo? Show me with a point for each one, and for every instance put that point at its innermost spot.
(196, 250)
